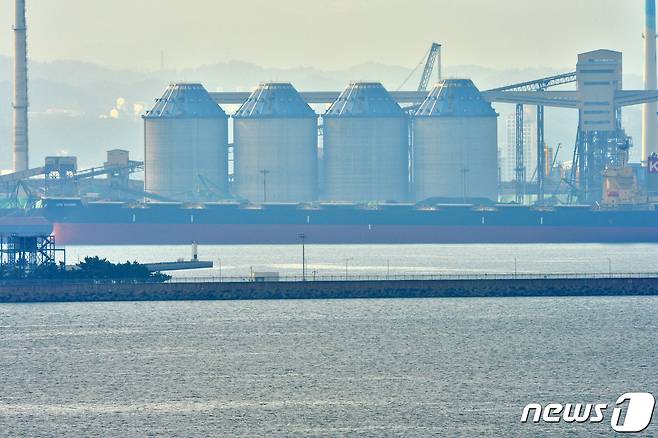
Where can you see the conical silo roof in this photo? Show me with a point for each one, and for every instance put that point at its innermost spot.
(185, 100)
(365, 99)
(455, 98)
(275, 99)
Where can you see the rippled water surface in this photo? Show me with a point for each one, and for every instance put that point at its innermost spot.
(370, 367)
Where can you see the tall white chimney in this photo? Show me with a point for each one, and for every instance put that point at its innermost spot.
(20, 89)
(649, 117)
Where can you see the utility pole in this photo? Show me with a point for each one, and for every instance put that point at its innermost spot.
(302, 237)
(264, 172)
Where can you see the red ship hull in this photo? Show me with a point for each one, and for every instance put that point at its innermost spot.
(153, 234)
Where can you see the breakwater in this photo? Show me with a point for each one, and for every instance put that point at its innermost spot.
(30, 292)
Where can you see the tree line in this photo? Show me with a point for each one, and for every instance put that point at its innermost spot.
(91, 268)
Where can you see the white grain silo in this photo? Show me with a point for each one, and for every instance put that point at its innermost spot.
(365, 146)
(186, 145)
(275, 146)
(455, 153)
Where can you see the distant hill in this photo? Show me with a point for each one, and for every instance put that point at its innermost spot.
(84, 109)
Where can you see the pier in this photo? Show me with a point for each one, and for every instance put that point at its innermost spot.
(28, 291)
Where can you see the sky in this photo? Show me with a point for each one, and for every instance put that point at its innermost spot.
(327, 34)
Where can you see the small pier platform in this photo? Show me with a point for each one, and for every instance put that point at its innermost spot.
(180, 265)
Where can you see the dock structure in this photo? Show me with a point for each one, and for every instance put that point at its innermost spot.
(90, 290)
(180, 265)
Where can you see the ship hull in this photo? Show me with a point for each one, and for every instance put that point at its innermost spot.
(121, 224)
(24, 223)
(226, 234)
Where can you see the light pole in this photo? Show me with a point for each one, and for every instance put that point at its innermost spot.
(347, 267)
(609, 266)
(302, 237)
(516, 270)
(264, 172)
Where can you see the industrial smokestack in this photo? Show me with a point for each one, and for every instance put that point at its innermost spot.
(649, 117)
(20, 89)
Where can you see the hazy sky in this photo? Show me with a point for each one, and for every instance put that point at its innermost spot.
(329, 33)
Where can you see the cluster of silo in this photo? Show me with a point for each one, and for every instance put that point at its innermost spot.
(275, 146)
(186, 145)
(455, 152)
(366, 150)
(365, 146)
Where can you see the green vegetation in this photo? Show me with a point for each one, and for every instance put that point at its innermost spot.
(91, 268)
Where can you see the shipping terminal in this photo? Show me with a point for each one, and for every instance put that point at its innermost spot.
(374, 166)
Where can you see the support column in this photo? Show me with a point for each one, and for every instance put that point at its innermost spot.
(541, 157)
(520, 165)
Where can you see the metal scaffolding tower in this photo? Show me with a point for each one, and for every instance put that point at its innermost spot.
(536, 85)
(601, 142)
(596, 151)
(21, 254)
(520, 163)
(541, 154)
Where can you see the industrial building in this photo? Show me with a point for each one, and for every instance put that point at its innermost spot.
(378, 146)
(444, 145)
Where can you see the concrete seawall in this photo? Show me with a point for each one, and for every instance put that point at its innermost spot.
(31, 292)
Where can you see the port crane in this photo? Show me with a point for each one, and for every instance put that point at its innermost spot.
(537, 85)
(431, 58)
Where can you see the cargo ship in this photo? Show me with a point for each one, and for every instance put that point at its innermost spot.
(107, 223)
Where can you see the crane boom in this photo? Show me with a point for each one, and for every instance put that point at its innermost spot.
(433, 55)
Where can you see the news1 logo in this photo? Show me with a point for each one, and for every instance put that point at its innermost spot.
(639, 408)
